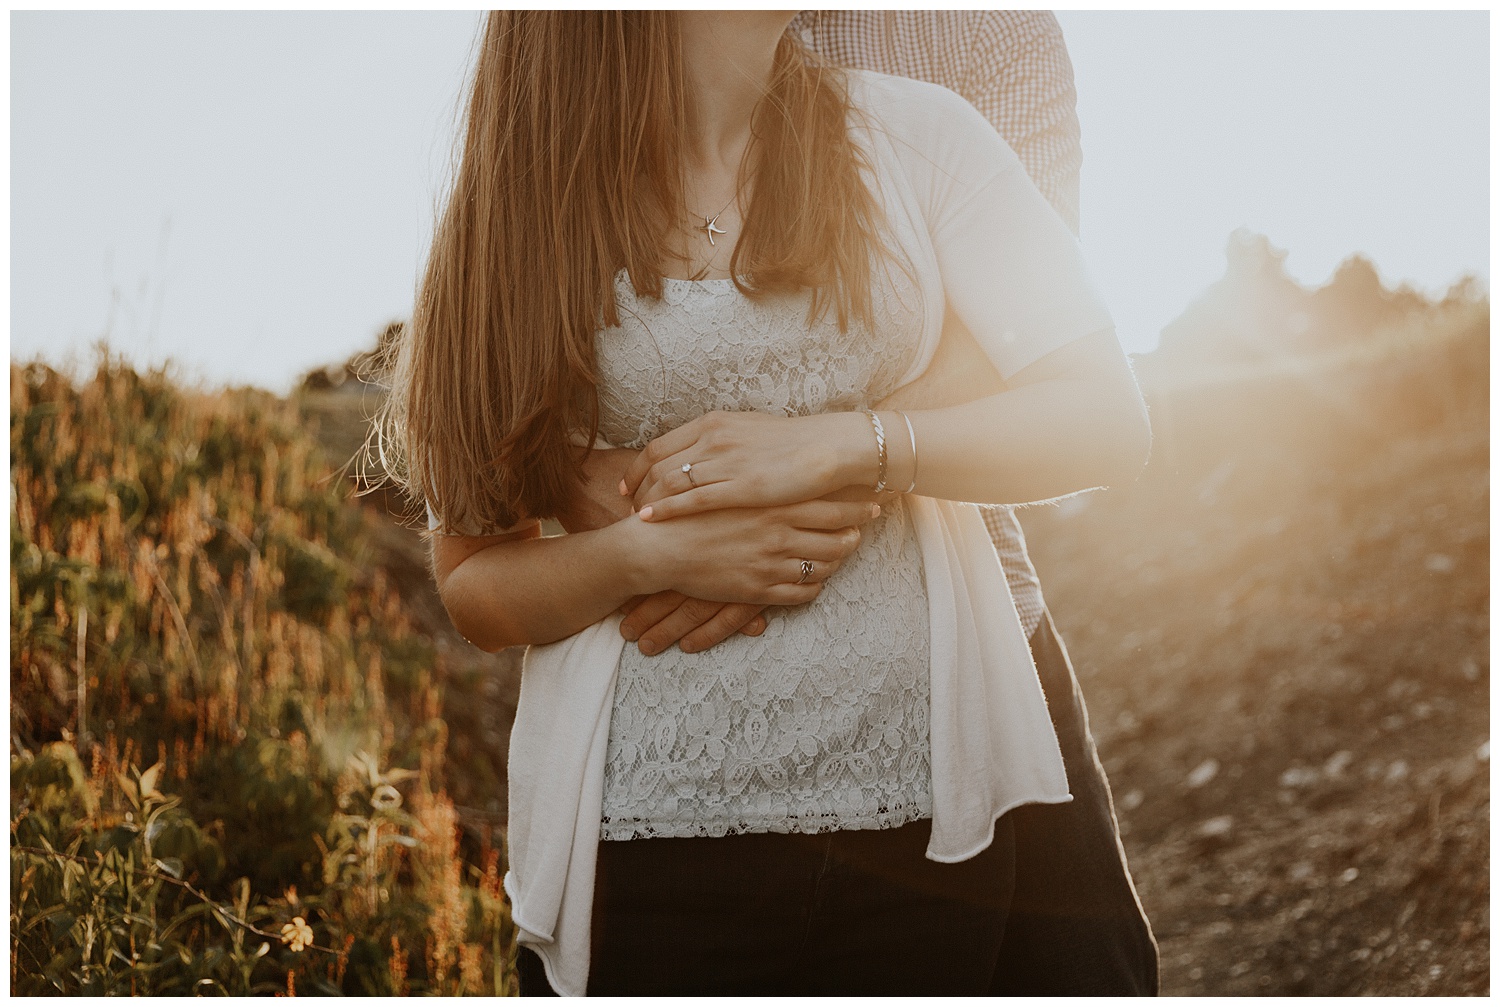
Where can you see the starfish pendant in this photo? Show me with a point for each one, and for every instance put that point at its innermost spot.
(711, 227)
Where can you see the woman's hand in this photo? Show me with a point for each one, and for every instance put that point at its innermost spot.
(657, 621)
(750, 459)
(751, 556)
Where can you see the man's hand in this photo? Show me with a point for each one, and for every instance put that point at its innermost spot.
(659, 620)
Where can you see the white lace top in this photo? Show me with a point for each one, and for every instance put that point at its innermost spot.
(821, 722)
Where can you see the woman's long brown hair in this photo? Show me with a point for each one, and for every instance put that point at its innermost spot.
(571, 171)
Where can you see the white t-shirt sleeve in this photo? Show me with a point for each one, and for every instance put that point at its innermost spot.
(1011, 269)
(433, 521)
(437, 526)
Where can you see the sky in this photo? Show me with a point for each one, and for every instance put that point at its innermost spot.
(250, 195)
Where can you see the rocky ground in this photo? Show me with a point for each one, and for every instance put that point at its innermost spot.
(1282, 630)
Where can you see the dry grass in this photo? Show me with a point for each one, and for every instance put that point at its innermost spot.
(193, 590)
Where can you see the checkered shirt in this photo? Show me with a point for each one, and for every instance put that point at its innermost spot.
(1013, 67)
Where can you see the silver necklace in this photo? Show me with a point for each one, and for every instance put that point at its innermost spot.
(710, 225)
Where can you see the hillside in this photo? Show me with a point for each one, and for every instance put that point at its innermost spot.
(217, 699)
(1282, 631)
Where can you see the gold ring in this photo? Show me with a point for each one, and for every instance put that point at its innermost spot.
(807, 571)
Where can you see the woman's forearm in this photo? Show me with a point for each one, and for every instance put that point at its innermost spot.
(510, 590)
(536, 590)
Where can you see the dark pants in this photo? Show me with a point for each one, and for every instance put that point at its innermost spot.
(851, 912)
(863, 905)
(1076, 927)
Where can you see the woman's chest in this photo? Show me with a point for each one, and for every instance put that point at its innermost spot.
(704, 346)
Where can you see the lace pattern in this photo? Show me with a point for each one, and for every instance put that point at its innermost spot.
(820, 723)
(705, 346)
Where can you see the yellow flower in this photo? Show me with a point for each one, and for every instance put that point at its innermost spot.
(297, 933)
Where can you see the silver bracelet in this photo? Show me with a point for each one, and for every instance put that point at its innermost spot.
(913, 435)
(879, 447)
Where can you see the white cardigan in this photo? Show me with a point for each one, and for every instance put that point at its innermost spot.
(985, 244)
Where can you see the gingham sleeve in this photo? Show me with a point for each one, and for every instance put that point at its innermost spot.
(1021, 79)
(1012, 65)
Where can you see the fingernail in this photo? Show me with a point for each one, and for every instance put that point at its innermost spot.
(629, 634)
(649, 649)
(623, 490)
(874, 511)
(687, 648)
(646, 513)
